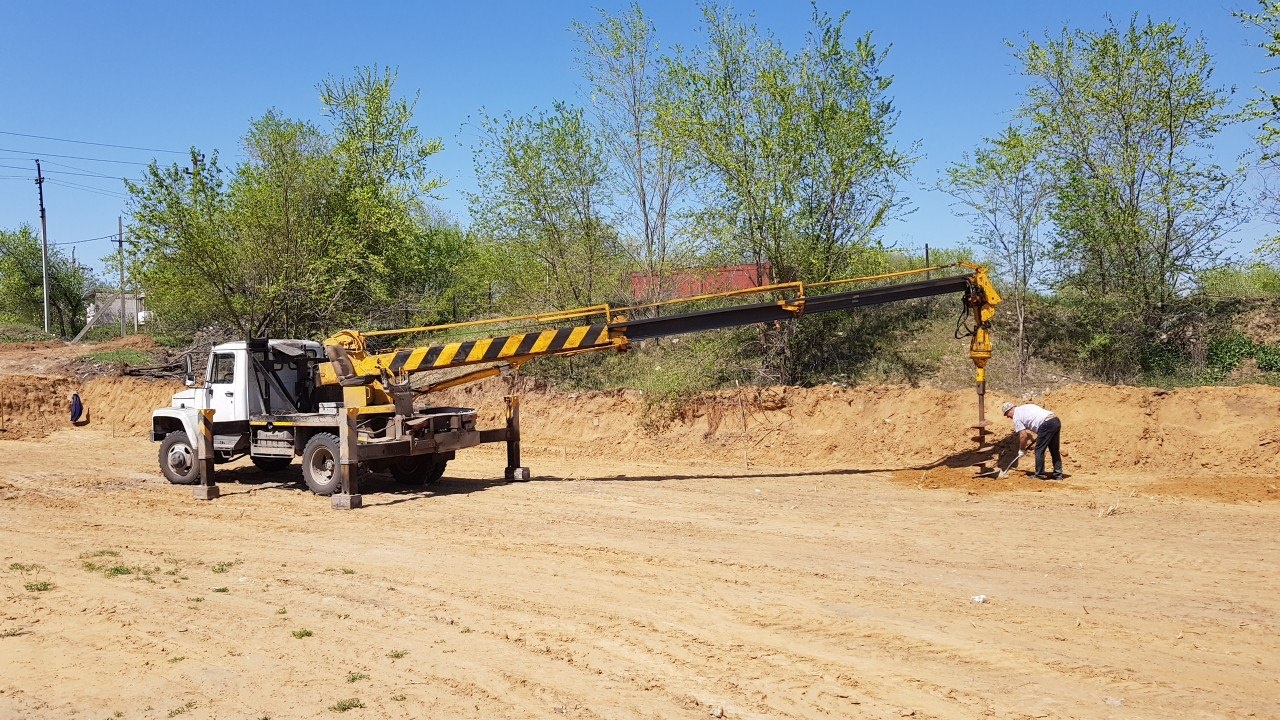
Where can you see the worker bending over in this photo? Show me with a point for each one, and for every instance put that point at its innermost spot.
(1046, 426)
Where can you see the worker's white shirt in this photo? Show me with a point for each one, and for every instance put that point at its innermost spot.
(1029, 417)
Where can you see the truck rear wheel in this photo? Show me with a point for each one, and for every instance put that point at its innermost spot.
(320, 464)
(418, 469)
(178, 459)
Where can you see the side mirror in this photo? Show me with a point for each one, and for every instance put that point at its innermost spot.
(188, 379)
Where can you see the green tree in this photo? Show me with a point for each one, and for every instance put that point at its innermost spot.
(620, 59)
(1005, 194)
(189, 260)
(1267, 106)
(317, 229)
(1266, 109)
(794, 150)
(280, 209)
(22, 284)
(1125, 117)
(384, 180)
(542, 202)
(428, 277)
(795, 164)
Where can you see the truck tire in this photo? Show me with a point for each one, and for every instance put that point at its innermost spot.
(271, 464)
(418, 469)
(320, 464)
(178, 459)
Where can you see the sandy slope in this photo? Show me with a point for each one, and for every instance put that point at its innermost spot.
(652, 576)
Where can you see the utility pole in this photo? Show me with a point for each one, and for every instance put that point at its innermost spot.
(44, 247)
(120, 244)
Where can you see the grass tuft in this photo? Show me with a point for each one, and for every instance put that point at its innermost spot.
(123, 356)
(302, 633)
(99, 553)
(40, 586)
(345, 705)
(356, 677)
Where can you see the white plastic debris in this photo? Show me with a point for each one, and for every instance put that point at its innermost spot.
(979, 598)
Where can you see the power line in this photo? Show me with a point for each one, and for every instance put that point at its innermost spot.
(86, 188)
(73, 167)
(112, 236)
(32, 156)
(86, 142)
(64, 172)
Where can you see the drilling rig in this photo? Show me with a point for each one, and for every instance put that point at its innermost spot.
(342, 404)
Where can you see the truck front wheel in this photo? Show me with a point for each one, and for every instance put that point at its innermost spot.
(320, 464)
(178, 459)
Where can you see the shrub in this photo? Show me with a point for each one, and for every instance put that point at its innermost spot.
(1226, 352)
(1268, 357)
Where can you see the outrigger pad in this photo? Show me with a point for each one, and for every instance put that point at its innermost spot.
(206, 492)
(347, 502)
(517, 474)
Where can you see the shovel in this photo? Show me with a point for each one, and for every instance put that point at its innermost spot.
(1002, 474)
(1005, 473)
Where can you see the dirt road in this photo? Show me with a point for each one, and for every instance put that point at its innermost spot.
(627, 589)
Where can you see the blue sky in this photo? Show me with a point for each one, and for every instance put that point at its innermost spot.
(169, 75)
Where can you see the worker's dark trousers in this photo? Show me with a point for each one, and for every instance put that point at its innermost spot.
(1048, 438)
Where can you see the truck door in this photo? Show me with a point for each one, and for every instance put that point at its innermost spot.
(223, 388)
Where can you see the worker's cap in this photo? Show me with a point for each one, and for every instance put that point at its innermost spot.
(1005, 408)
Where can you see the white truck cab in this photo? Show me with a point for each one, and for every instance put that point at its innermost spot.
(232, 388)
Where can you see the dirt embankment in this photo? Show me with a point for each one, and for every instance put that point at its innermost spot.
(35, 405)
(1191, 438)
(1181, 432)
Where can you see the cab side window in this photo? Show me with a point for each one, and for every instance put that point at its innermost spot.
(224, 369)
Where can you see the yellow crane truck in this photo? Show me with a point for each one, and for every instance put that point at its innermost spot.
(339, 404)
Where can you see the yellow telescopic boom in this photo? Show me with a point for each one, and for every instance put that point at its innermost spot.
(603, 327)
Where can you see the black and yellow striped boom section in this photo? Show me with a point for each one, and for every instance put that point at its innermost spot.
(520, 346)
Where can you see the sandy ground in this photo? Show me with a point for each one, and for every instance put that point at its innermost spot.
(625, 590)
(653, 576)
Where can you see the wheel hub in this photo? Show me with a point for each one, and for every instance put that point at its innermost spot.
(180, 459)
(322, 465)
